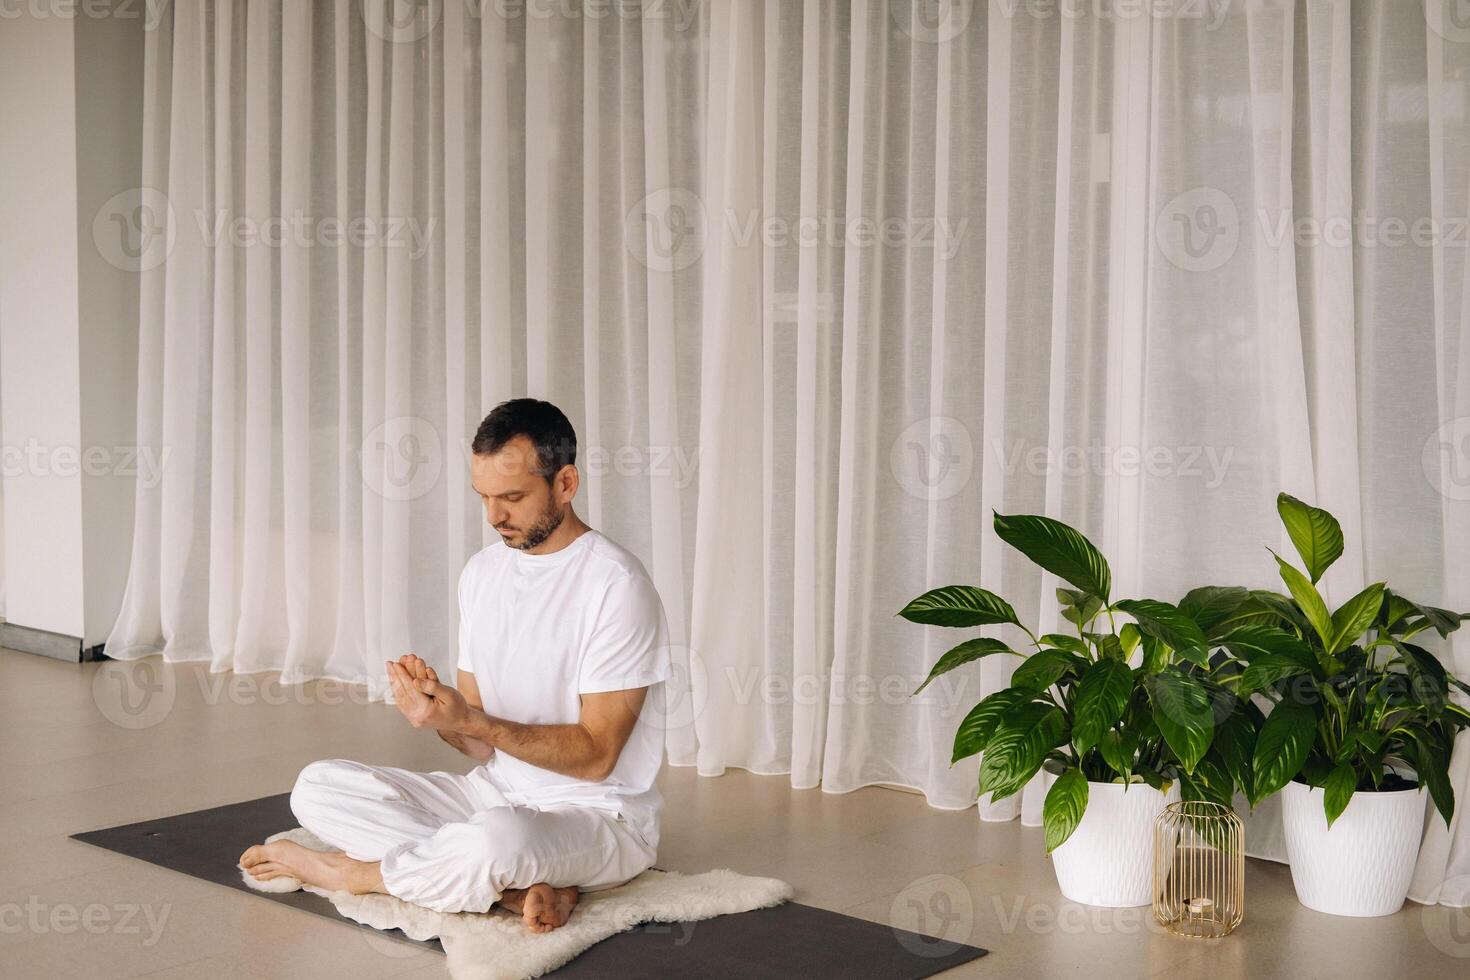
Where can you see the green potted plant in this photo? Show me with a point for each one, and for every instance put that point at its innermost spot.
(1362, 722)
(1121, 714)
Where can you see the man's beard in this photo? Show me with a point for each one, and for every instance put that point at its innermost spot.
(542, 529)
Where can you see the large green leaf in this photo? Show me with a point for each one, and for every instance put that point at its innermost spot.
(1266, 670)
(1059, 549)
(1062, 810)
(966, 652)
(1252, 612)
(1235, 741)
(1432, 763)
(1209, 781)
(1280, 608)
(1212, 605)
(1108, 645)
(1355, 616)
(1101, 697)
(1183, 712)
(1428, 676)
(1118, 750)
(1078, 608)
(1018, 746)
(1250, 642)
(1282, 747)
(1444, 621)
(1045, 667)
(975, 731)
(1308, 599)
(1155, 653)
(1338, 791)
(1359, 740)
(1164, 621)
(1064, 642)
(1395, 609)
(959, 605)
(1456, 715)
(1316, 533)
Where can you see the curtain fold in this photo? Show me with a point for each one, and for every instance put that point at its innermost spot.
(821, 285)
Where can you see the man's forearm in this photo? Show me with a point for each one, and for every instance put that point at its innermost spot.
(472, 747)
(567, 749)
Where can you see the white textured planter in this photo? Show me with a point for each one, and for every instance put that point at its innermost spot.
(1109, 859)
(1363, 865)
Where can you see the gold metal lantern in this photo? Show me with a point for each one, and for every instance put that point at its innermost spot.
(1199, 869)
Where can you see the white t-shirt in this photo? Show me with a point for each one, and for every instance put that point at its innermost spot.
(537, 631)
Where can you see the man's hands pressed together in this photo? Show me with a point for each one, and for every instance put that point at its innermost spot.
(588, 749)
(421, 699)
(427, 703)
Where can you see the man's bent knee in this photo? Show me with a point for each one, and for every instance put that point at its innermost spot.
(313, 787)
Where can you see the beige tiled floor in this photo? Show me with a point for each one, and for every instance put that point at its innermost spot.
(74, 755)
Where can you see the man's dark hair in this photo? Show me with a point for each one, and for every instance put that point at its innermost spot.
(541, 422)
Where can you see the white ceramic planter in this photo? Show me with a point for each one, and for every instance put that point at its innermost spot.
(1363, 865)
(1109, 859)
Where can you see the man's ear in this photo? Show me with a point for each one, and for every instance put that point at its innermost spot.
(567, 481)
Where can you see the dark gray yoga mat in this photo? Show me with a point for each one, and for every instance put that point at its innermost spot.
(790, 940)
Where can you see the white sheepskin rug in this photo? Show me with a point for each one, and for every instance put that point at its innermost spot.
(496, 945)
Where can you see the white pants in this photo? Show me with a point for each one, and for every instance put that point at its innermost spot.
(451, 843)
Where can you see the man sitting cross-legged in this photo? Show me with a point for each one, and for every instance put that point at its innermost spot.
(560, 629)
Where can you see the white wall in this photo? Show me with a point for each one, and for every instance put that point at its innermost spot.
(109, 118)
(70, 131)
(40, 406)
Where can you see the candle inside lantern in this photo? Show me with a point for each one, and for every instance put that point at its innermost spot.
(1199, 869)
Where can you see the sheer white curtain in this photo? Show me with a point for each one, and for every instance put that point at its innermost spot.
(821, 285)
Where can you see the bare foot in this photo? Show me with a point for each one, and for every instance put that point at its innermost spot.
(542, 907)
(332, 870)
